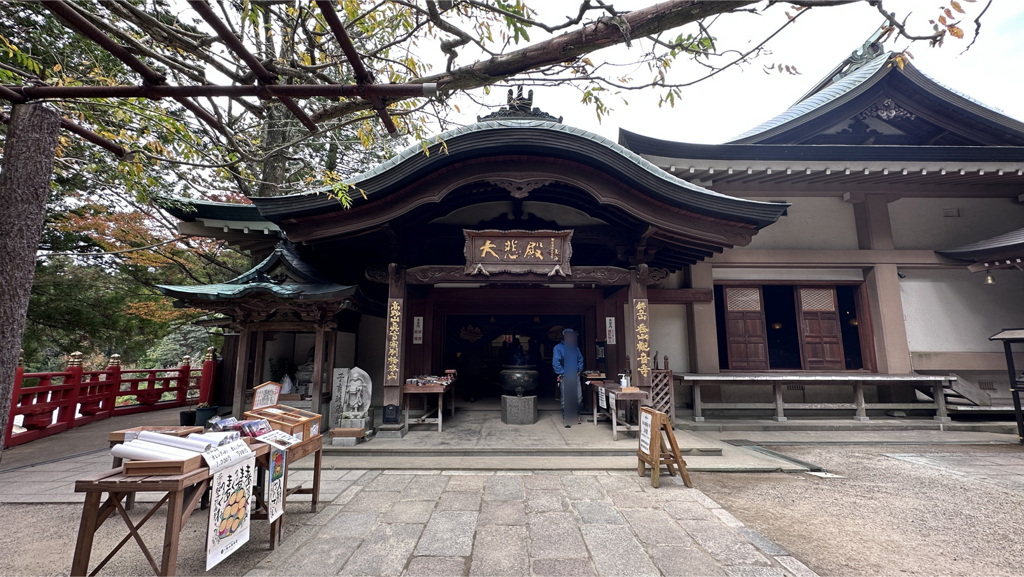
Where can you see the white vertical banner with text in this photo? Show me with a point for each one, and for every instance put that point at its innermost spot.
(275, 484)
(231, 504)
(609, 330)
(417, 330)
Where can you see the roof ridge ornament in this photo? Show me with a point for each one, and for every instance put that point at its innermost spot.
(519, 108)
(871, 49)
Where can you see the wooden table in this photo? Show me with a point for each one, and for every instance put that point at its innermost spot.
(440, 391)
(117, 438)
(611, 412)
(181, 493)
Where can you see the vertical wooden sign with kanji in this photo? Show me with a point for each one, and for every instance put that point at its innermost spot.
(393, 343)
(642, 343)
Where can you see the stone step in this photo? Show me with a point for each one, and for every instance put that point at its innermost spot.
(368, 450)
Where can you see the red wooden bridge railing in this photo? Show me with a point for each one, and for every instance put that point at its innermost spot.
(53, 402)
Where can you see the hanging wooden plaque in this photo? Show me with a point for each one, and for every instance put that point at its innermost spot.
(518, 251)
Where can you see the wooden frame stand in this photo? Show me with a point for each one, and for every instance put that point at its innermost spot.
(655, 456)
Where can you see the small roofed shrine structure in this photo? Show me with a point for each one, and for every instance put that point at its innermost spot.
(281, 293)
(481, 247)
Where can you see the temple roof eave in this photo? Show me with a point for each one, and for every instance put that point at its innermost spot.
(538, 138)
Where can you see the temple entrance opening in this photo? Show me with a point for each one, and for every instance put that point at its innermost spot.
(498, 354)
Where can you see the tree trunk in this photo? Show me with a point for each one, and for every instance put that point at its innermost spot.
(25, 172)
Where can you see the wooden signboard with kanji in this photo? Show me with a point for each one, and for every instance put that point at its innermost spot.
(265, 395)
(518, 251)
(658, 447)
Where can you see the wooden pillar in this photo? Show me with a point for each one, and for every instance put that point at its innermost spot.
(702, 324)
(639, 327)
(257, 360)
(892, 352)
(330, 355)
(241, 369)
(874, 232)
(318, 368)
(394, 342)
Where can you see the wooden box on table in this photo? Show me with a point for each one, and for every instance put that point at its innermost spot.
(295, 422)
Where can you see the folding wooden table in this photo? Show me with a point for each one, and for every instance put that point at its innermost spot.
(182, 494)
(440, 391)
(612, 411)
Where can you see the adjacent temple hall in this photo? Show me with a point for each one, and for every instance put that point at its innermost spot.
(872, 229)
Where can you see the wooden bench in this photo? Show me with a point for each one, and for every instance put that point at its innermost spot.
(856, 380)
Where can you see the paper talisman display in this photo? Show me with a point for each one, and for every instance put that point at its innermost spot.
(230, 510)
(279, 439)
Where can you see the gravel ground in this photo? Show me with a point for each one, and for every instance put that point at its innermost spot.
(888, 516)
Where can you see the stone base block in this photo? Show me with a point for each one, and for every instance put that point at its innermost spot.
(364, 423)
(344, 441)
(392, 431)
(518, 410)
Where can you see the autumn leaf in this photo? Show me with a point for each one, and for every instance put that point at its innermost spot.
(956, 6)
(955, 31)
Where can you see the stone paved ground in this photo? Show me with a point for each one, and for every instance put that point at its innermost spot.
(521, 523)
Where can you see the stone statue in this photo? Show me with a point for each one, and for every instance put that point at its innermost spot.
(356, 399)
(350, 405)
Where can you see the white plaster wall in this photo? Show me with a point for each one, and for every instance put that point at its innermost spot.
(918, 223)
(345, 350)
(954, 310)
(668, 336)
(811, 223)
(370, 354)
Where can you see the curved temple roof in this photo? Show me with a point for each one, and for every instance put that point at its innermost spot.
(538, 138)
(281, 275)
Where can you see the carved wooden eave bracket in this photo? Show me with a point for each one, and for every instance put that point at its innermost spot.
(597, 275)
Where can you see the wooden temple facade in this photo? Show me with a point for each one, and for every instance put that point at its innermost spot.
(821, 242)
(516, 226)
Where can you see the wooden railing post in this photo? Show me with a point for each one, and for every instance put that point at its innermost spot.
(184, 375)
(206, 379)
(66, 414)
(19, 374)
(114, 376)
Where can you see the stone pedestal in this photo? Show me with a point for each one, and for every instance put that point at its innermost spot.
(344, 442)
(392, 431)
(364, 423)
(518, 410)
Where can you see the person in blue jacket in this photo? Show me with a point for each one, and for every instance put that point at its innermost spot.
(569, 341)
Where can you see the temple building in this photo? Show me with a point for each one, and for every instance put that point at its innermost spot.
(837, 238)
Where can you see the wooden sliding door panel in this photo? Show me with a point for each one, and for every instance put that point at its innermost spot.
(746, 337)
(820, 332)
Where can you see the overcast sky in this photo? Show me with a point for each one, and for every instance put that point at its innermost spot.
(720, 108)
